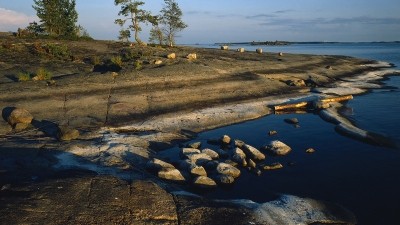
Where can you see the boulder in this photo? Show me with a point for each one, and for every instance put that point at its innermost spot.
(280, 53)
(157, 165)
(225, 139)
(241, 50)
(171, 56)
(238, 155)
(192, 56)
(158, 62)
(253, 153)
(272, 132)
(278, 148)
(195, 145)
(230, 162)
(204, 182)
(213, 154)
(239, 143)
(21, 126)
(256, 171)
(296, 83)
(226, 169)
(188, 151)
(66, 133)
(251, 163)
(224, 47)
(224, 179)
(273, 166)
(196, 170)
(199, 159)
(171, 174)
(16, 115)
(310, 150)
(259, 50)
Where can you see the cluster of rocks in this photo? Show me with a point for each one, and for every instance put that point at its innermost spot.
(207, 168)
(21, 119)
(171, 56)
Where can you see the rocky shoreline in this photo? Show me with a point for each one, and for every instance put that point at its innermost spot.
(124, 121)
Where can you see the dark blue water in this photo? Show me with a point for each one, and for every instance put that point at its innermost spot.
(362, 177)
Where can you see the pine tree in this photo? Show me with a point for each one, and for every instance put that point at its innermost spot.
(58, 17)
(130, 9)
(171, 19)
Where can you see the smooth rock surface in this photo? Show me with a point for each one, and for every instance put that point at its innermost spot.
(213, 154)
(204, 182)
(253, 153)
(278, 148)
(226, 169)
(16, 115)
(171, 174)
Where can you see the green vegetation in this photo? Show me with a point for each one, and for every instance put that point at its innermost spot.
(171, 19)
(138, 65)
(57, 51)
(43, 74)
(131, 11)
(24, 76)
(95, 60)
(117, 61)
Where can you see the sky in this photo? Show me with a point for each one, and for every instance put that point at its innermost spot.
(211, 21)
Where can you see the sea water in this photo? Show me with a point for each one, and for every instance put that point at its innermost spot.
(362, 177)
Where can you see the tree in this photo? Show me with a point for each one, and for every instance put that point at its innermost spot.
(35, 29)
(130, 9)
(58, 17)
(124, 35)
(171, 19)
(156, 34)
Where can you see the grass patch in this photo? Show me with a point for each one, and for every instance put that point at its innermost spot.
(24, 76)
(43, 74)
(95, 60)
(138, 65)
(117, 61)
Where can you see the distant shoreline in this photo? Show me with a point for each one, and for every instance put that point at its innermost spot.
(280, 43)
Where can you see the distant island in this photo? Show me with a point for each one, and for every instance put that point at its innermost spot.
(281, 43)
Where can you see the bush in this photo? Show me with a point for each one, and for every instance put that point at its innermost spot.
(23, 76)
(95, 60)
(138, 65)
(43, 74)
(117, 61)
(58, 51)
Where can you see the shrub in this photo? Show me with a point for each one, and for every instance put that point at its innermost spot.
(43, 74)
(138, 65)
(117, 61)
(23, 76)
(95, 60)
(58, 51)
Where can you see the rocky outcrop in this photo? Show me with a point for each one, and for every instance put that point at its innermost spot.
(204, 182)
(66, 133)
(273, 166)
(253, 153)
(213, 154)
(171, 174)
(226, 169)
(225, 140)
(278, 148)
(157, 164)
(171, 56)
(195, 145)
(15, 116)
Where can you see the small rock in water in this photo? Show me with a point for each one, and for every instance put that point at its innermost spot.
(272, 132)
(239, 143)
(226, 169)
(238, 155)
(321, 105)
(197, 170)
(199, 159)
(185, 152)
(256, 171)
(213, 154)
(273, 166)
(171, 174)
(211, 165)
(195, 145)
(204, 182)
(251, 163)
(222, 153)
(225, 140)
(310, 150)
(292, 120)
(230, 162)
(278, 148)
(253, 152)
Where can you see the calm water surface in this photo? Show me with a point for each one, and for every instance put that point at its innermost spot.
(363, 178)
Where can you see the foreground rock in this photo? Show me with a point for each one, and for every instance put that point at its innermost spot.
(204, 182)
(66, 133)
(171, 174)
(253, 153)
(226, 169)
(278, 148)
(15, 116)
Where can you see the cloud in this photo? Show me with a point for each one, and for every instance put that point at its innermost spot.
(10, 19)
(261, 16)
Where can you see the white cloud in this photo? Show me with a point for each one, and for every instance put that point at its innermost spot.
(11, 20)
